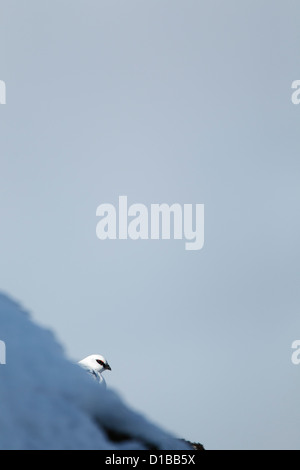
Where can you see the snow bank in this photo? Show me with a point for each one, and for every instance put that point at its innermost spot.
(46, 402)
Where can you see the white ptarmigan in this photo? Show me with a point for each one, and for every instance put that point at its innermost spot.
(96, 365)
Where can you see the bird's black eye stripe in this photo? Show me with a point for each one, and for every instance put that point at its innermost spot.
(100, 362)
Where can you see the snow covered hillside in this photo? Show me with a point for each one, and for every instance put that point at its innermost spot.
(46, 402)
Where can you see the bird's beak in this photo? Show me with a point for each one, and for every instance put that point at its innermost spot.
(107, 367)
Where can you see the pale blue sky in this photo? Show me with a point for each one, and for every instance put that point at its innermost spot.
(162, 101)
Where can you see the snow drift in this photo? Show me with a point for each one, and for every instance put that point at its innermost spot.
(46, 402)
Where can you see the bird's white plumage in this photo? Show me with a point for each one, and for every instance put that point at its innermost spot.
(95, 365)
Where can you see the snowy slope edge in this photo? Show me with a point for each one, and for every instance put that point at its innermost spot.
(46, 402)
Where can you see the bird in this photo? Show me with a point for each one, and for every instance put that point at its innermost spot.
(96, 365)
